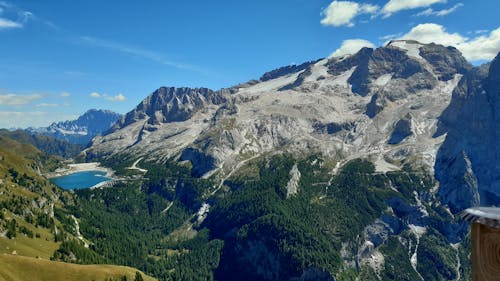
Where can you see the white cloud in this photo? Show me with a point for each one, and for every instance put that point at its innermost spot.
(351, 46)
(19, 119)
(15, 99)
(44, 104)
(340, 13)
(8, 24)
(368, 9)
(431, 32)
(394, 6)
(480, 31)
(440, 13)
(426, 12)
(389, 37)
(118, 97)
(95, 95)
(65, 94)
(484, 47)
(8, 9)
(135, 51)
(24, 16)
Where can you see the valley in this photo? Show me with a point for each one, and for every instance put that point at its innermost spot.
(319, 140)
(334, 170)
(35, 226)
(81, 175)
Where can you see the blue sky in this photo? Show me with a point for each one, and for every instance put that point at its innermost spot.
(61, 58)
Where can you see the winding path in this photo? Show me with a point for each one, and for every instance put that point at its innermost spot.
(134, 166)
(168, 207)
(231, 173)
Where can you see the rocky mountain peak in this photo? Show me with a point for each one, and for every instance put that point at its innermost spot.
(171, 104)
(382, 104)
(80, 131)
(375, 100)
(466, 163)
(491, 82)
(402, 59)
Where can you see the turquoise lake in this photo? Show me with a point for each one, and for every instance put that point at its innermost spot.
(80, 180)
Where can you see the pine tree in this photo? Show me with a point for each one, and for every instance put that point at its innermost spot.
(138, 276)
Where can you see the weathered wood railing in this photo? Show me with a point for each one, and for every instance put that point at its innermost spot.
(485, 242)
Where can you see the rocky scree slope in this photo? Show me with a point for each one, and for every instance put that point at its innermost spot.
(404, 103)
(467, 162)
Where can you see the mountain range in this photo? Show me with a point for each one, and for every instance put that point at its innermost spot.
(406, 103)
(81, 131)
(342, 168)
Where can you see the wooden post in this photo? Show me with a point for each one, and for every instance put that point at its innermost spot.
(485, 240)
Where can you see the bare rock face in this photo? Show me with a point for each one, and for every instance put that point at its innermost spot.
(292, 187)
(402, 130)
(286, 70)
(445, 61)
(204, 163)
(467, 162)
(165, 122)
(405, 103)
(167, 105)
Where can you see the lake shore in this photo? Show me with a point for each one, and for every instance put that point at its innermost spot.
(81, 167)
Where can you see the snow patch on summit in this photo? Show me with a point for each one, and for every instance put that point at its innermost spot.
(273, 85)
(318, 71)
(412, 48)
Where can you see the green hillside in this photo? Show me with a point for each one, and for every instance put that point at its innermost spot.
(36, 228)
(252, 229)
(18, 268)
(255, 231)
(47, 144)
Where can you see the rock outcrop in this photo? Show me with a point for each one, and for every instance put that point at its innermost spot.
(405, 103)
(467, 162)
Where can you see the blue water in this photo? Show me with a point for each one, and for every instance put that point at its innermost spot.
(80, 180)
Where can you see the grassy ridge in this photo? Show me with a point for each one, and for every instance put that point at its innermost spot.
(18, 268)
(28, 199)
(47, 144)
(42, 247)
(34, 222)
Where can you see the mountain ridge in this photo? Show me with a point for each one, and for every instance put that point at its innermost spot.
(369, 155)
(81, 130)
(366, 83)
(47, 144)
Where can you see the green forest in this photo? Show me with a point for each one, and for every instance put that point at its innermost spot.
(253, 231)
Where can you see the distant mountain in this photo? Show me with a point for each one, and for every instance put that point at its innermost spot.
(81, 131)
(47, 144)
